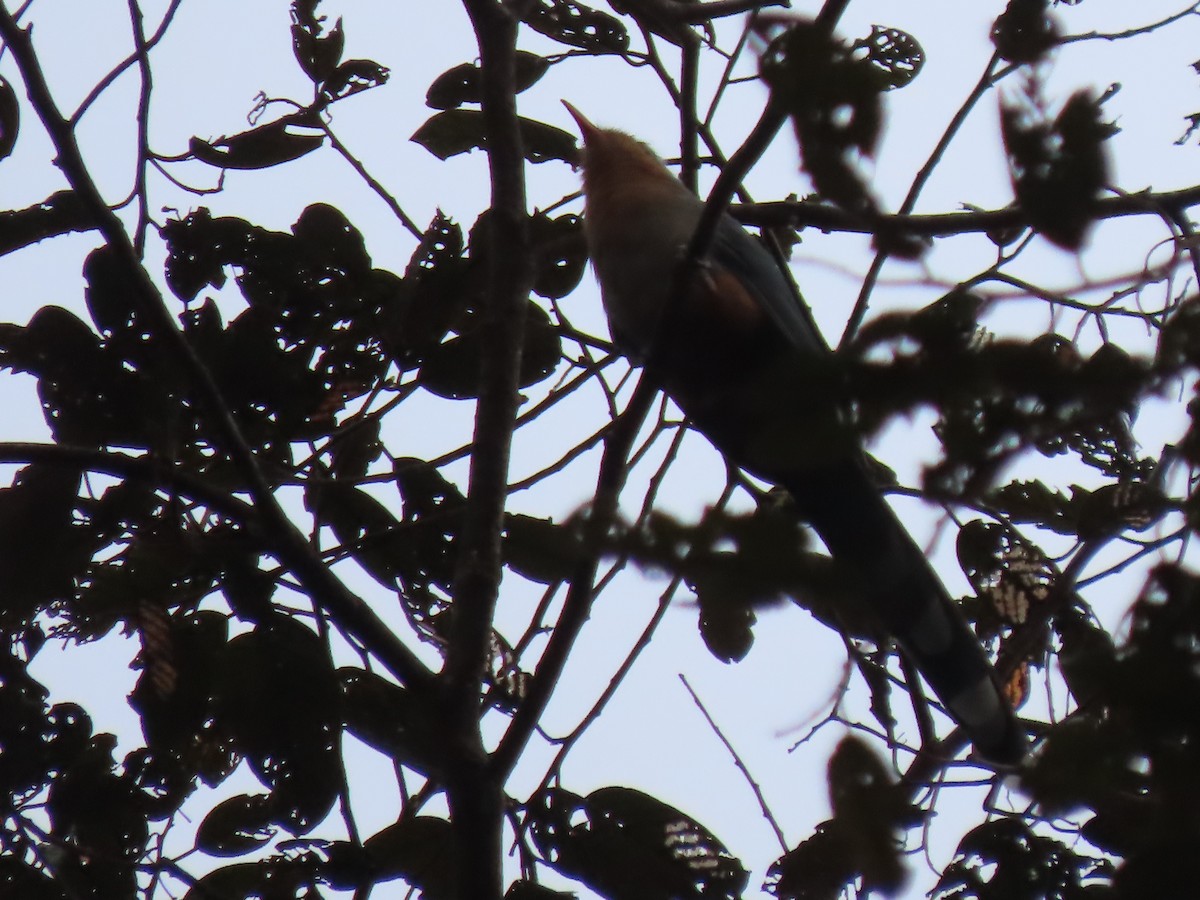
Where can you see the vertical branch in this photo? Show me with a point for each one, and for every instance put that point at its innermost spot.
(688, 76)
(474, 793)
(143, 126)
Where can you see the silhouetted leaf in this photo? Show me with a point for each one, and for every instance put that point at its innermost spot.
(386, 717)
(40, 550)
(279, 697)
(833, 99)
(1025, 32)
(23, 880)
(356, 447)
(528, 890)
(577, 25)
(10, 118)
(317, 49)
(435, 292)
(236, 826)
(561, 254)
(862, 840)
(1033, 501)
(1006, 858)
(893, 53)
(365, 527)
(460, 85)
(273, 877)
(104, 815)
(456, 131)
(540, 549)
(420, 851)
(353, 77)
(26, 731)
(60, 213)
(267, 145)
(1058, 169)
(452, 370)
(624, 843)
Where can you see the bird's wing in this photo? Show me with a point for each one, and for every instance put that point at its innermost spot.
(748, 259)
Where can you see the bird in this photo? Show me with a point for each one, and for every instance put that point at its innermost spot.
(736, 349)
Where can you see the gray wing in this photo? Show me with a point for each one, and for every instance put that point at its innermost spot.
(733, 248)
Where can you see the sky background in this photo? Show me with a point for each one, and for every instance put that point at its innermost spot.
(219, 55)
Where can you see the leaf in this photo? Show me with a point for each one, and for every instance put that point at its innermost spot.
(457, 131)
(356, 447)
(1033, 502)
(1058, 169)
(419, 850)
(624, 843)
(316, 50)
(25, 880)
(362, 524)
(452, 370)
(460, 85)
(870, 812)
(560, 253)
(10, 118)
(236, 826)
(817, 869)
(894, 54)
(529, 890)
(1024, 32)
(540, 549)
(577, 25)
(105, 813)
(1010, 574)
(386, 717)
(435, 292)
(833, 99)
(273, 877)
(260, 148)
(353, 77)
(60, 213)
(279, 698)
(26, 731)
(198, 249)
(40, 549)
(1006, 858)
(862, 840)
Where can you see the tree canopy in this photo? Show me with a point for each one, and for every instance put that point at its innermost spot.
(357, 496)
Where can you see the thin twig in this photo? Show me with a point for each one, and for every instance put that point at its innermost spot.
(985, 83)
(737, 761)
(143, 128)
(578, 603)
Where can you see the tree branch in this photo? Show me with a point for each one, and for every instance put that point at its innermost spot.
(824, 217)
(474, 793)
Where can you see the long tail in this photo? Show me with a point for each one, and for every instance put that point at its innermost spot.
(862, 532)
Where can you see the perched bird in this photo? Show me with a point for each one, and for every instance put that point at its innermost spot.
(737, 351)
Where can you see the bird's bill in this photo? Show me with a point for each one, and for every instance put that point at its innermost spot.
(586, 128)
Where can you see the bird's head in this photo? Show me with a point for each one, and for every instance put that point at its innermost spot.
(613, 159)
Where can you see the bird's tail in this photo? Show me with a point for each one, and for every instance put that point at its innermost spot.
(894, 576)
